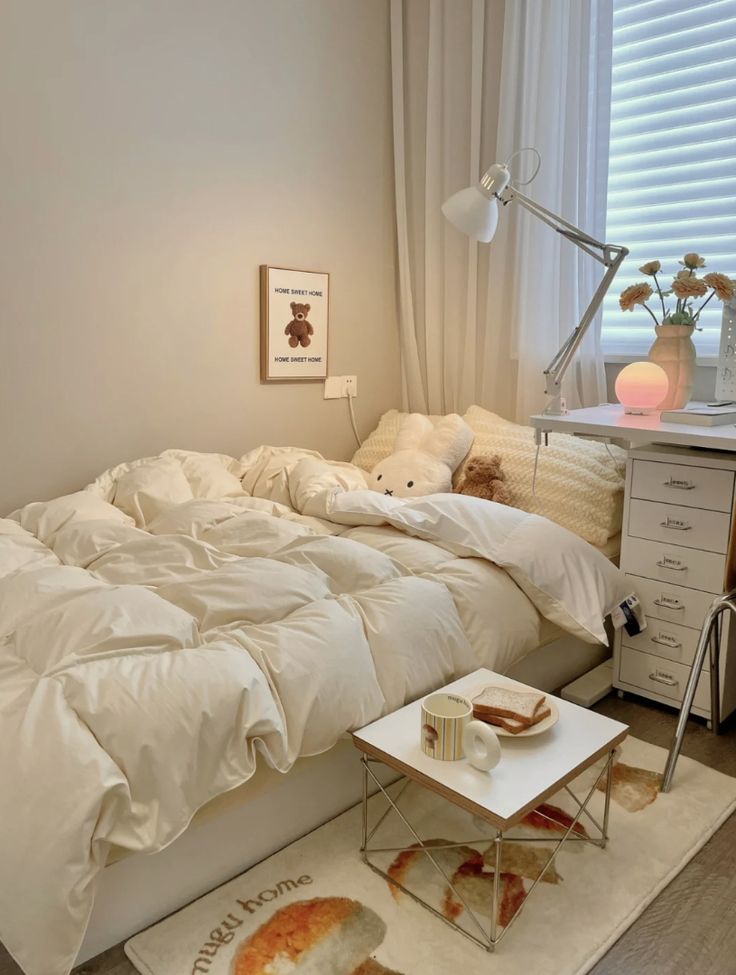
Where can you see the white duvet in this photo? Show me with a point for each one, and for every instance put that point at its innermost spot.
(187, 612)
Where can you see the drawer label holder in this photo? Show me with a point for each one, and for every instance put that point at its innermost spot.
(662, 677)
(667, 640)
(667, 562)
(681, 483)
(668, 602)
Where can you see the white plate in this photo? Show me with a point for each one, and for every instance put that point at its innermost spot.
(536, 729)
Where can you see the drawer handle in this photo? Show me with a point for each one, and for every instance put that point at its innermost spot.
(678, 526)
(664, 564)
(679, 485)
(671, 643)
(663, 679)
(666, 604)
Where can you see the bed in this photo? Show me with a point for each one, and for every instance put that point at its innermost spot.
(189, 619)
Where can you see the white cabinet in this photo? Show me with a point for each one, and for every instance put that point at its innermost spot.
(677, 548)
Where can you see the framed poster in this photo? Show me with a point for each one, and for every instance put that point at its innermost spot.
(294, 325)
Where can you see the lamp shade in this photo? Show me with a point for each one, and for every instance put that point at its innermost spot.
(473, 213)
(641, 387)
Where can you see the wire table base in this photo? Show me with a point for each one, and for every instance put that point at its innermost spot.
(490, 937)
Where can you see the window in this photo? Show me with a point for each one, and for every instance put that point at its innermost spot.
(672, 176)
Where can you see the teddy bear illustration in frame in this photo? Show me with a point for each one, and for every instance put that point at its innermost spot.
(299, 329)
(294, 325)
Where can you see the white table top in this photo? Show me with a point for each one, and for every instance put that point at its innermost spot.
(531, 769)
(610, 420)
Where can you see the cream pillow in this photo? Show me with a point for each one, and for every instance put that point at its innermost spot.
(579, 484)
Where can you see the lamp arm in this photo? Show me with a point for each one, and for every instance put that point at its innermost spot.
(557, 368)
(555, 221)
(611, 256)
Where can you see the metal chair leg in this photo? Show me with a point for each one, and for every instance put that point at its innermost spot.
(709, 639)
(715, 675)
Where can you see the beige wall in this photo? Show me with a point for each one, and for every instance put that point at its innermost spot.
(152, 154)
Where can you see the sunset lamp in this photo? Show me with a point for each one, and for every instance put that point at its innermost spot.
(641, 387)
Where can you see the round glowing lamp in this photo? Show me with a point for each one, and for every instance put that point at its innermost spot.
(641, 387)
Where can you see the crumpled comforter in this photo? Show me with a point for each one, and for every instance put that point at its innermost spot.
(185, 613)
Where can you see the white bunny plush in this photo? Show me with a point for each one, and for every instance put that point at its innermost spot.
(424, 458)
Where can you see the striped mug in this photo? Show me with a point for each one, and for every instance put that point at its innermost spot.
(450, 733)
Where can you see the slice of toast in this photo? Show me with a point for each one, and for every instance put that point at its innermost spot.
(503, 702)
(513, 726)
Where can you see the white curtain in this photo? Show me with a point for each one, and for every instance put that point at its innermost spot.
(473, 80)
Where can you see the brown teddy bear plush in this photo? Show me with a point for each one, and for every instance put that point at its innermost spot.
(483, 478)
(299, 328)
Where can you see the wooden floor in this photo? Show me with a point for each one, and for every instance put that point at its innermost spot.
(690, 927)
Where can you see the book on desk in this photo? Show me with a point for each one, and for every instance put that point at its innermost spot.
(702, 414)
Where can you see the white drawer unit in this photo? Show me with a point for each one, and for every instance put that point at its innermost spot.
(678, 552)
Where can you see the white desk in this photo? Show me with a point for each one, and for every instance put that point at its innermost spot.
(611, 421)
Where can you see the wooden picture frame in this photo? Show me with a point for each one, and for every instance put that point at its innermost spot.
(294, 325)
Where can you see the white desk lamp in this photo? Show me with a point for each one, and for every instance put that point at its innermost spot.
(474, 211)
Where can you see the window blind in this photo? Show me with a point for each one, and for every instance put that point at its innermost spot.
(672, 173)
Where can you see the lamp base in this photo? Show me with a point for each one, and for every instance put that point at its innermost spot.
(640, 410)
(557, 406)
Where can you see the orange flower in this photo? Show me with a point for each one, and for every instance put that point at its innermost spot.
(687, 285)
(635, 294)
(723, 286)
(651, 267)
(693, 260)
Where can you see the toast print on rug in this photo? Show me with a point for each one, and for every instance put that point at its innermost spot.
(324, 936)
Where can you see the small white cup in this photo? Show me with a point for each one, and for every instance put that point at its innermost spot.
(449, 732)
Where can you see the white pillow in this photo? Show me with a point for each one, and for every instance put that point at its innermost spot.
(150, 488)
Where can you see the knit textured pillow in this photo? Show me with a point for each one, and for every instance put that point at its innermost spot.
(580, 485)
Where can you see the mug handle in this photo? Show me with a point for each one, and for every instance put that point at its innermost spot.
(481, 747)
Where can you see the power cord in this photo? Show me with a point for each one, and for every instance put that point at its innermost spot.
(616, 463)
(352, 419)
(526, 182)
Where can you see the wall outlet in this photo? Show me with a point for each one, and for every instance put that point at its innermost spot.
(339, 387)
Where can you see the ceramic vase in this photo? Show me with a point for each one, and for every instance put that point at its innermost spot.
(674, 351)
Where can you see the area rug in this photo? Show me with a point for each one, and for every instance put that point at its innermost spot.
(315, 909)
